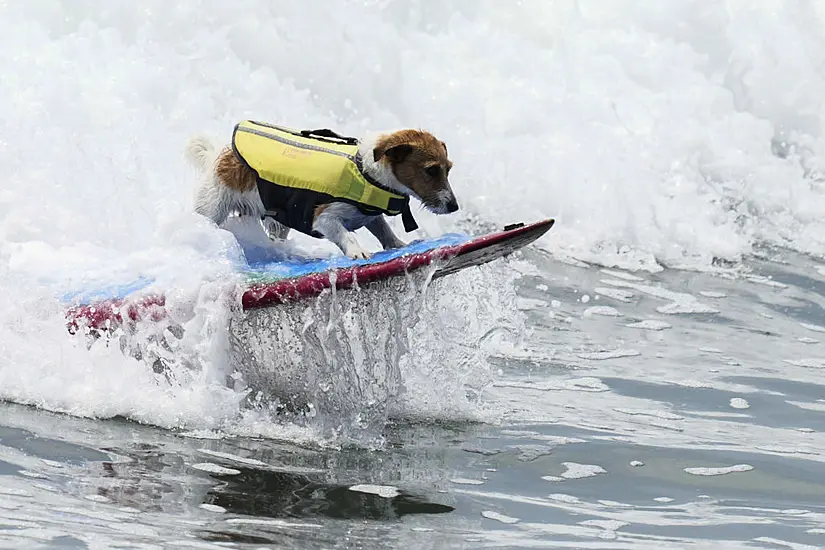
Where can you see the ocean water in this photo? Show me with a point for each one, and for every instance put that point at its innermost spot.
(647, 375)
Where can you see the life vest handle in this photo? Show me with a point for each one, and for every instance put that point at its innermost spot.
(327, 133)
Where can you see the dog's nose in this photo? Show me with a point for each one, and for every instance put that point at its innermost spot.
(452, 206)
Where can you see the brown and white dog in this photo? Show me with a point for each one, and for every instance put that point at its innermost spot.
(411, 162)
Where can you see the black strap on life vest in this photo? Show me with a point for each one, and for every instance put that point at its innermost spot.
(327, 133)
(397, 205)
(407, 219)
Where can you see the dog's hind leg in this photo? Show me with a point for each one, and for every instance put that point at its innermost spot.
(213, 200)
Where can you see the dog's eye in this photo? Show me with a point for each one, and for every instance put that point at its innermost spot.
(434, 171)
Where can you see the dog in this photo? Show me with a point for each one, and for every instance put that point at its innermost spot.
(398, 164)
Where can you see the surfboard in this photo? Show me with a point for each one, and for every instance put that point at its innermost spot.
(269, 284)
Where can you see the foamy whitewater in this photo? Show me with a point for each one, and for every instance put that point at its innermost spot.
(647, 375)
(680, 134)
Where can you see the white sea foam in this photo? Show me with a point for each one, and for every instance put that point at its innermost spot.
(663, 132)
(499, 517)
(807, 362)
(701, 471)
(686, 307)
(655, 195)
(605, 311)
(213, 508)
(211, 468)
(574, 470)
(818, 406)
(465, 481)
(650, 324)
(383, 491)
(621, 275)
(576, 384)
(609, 354)
(680, 301)
(232, 457)
(614, 293)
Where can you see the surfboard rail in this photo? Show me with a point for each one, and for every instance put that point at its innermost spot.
(449, 259)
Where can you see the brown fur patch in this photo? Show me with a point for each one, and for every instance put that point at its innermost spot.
(233, 173)
(411, 153)
(319, 210)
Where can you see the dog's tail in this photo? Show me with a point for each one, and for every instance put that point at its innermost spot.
(200, 152)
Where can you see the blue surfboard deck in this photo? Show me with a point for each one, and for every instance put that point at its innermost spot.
(299, 267)
(269, 271)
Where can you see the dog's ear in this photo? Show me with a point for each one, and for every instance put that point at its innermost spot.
(396, 153)
(445, 148)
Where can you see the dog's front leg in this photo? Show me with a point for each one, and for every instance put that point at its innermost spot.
(383, 232)
(329, 225)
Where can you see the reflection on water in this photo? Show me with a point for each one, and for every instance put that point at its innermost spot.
(151, 482)
(278, 494)
(152, 472)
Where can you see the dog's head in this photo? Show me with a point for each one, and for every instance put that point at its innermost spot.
(419, 162)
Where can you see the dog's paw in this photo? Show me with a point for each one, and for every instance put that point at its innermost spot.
(359, 254)
(355, 252)
(351, 249)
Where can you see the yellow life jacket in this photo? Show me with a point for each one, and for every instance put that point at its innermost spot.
(301, 170)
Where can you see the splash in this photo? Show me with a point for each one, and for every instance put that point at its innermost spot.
(668, 136)
(340, 365)
(684, 136)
